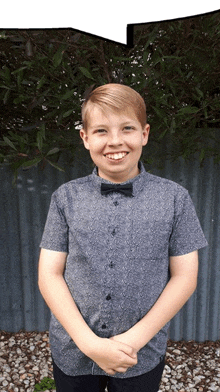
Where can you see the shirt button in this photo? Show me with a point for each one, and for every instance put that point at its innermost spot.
(116, 203)
(108, 297)
(111, 265)
(104, 326)
(113, 232)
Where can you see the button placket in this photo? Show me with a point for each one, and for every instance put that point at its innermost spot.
(113, 230)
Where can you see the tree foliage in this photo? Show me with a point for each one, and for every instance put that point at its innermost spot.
(45, 75)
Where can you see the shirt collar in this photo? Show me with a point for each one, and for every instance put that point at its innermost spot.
(138, 181)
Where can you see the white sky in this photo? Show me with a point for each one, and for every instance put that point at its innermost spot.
(104, 19)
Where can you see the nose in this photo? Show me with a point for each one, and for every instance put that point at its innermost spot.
(115, 138)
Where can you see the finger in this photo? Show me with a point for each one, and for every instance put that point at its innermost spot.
(130, 361)
(129, 351)
(122, 369)
(111, 372)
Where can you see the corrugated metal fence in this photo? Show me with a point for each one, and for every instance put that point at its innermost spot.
(23, 211)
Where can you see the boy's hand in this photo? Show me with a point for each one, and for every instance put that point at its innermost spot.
(128, 339)
(112, 356)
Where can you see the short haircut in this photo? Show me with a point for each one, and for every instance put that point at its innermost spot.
(117, 98)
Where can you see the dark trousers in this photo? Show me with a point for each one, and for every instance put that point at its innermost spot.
(148, 382)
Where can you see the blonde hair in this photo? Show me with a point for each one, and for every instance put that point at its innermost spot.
(117, 98)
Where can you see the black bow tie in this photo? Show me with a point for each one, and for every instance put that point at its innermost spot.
(125, 189)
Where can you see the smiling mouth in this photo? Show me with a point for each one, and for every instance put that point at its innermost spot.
(116, 156)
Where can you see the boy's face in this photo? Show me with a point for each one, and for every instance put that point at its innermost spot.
(115, 143)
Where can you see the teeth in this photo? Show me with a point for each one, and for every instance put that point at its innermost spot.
(117, 156)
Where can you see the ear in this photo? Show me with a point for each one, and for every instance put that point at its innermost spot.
(145, 135)
(84, 137)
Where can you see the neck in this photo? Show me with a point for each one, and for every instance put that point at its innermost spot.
(118, 179)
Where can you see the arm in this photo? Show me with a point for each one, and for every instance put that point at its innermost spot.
(182, 284)
(110, 356)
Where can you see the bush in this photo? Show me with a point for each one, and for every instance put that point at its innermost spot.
(45, 75)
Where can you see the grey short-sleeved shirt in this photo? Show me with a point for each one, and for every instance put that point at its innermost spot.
(118, 258)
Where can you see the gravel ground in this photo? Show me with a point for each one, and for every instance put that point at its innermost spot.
(25, 359)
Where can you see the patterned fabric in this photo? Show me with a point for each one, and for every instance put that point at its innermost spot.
(118, 258)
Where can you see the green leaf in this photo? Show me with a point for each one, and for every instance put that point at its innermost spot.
(53, 151)
(41, 82)
(6, 96)
(189, 74)
(39, 140)
(86, 72)
(160, 113)
(66, 114)
(37, 388)
(31, 163)
(188, 110)
(41, 137)
(122, 58)
(57, 58)
(19, 70)
(19, 99)
(67, 95)
(6, 74)
(42, 130)
(152, 36)
(145, 57)
(9, 142)
(200, 93)
(173, 126)
(56, 166)
(163, 134)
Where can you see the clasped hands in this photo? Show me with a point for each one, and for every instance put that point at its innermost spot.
(113, 355)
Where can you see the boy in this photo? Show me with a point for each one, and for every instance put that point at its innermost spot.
(119, 256)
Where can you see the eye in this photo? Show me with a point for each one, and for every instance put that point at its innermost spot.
(101, 130)
(128, 128)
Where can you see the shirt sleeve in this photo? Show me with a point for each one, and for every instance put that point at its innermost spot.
(55, 235)
(187, 234)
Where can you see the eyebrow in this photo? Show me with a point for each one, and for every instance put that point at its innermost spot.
(99, 126)
(106, 125)
(128, 122)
